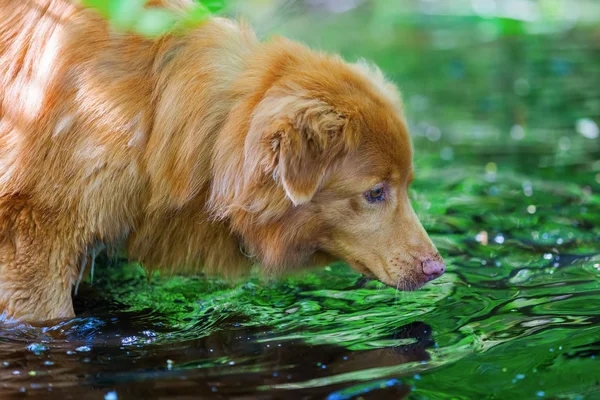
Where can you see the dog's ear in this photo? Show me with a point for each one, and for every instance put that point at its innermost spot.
(295, 139)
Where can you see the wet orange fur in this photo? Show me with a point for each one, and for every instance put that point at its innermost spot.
(208, 150)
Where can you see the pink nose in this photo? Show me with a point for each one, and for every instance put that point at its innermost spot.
(433, 269)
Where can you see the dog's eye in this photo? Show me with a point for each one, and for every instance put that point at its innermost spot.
(376, 194)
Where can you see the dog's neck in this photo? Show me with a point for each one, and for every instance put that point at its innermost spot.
(195, 76)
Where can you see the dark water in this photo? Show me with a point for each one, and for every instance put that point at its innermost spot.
(507, 183)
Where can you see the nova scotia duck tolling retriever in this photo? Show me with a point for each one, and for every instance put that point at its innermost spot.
(200, 150)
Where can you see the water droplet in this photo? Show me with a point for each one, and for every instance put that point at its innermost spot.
(499, 238)
(531, 209)
(587, 128)
(83, 349)
(521, 276)
(37, 348)
(111, 396)
(540, 394)
(517, 132)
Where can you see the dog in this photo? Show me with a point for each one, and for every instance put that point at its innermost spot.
(208, 150)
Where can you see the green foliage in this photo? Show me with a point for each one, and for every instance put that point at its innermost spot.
(133, 15)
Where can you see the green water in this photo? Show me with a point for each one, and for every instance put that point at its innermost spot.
(507, 183)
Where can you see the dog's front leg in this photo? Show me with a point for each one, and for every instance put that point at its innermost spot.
(39, 262)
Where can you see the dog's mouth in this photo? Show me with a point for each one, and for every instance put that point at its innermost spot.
(405, 284)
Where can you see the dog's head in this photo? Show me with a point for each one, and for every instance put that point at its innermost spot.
(325, 170)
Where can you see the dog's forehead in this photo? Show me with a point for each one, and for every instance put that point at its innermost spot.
(387, 139)
(383, 155)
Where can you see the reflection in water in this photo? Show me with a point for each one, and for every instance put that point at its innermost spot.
(91, 354)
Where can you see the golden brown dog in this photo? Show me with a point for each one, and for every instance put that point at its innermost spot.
(204, 150)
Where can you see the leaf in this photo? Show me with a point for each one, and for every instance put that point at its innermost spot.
(132, 15)
(198, 14)
(124, 14)
(214, 6)
(155, 22)
(101, 6)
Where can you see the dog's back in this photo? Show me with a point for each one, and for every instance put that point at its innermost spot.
(59, 71)
(79, 100)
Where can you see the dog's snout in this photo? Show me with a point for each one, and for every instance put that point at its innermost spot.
(433, 269)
